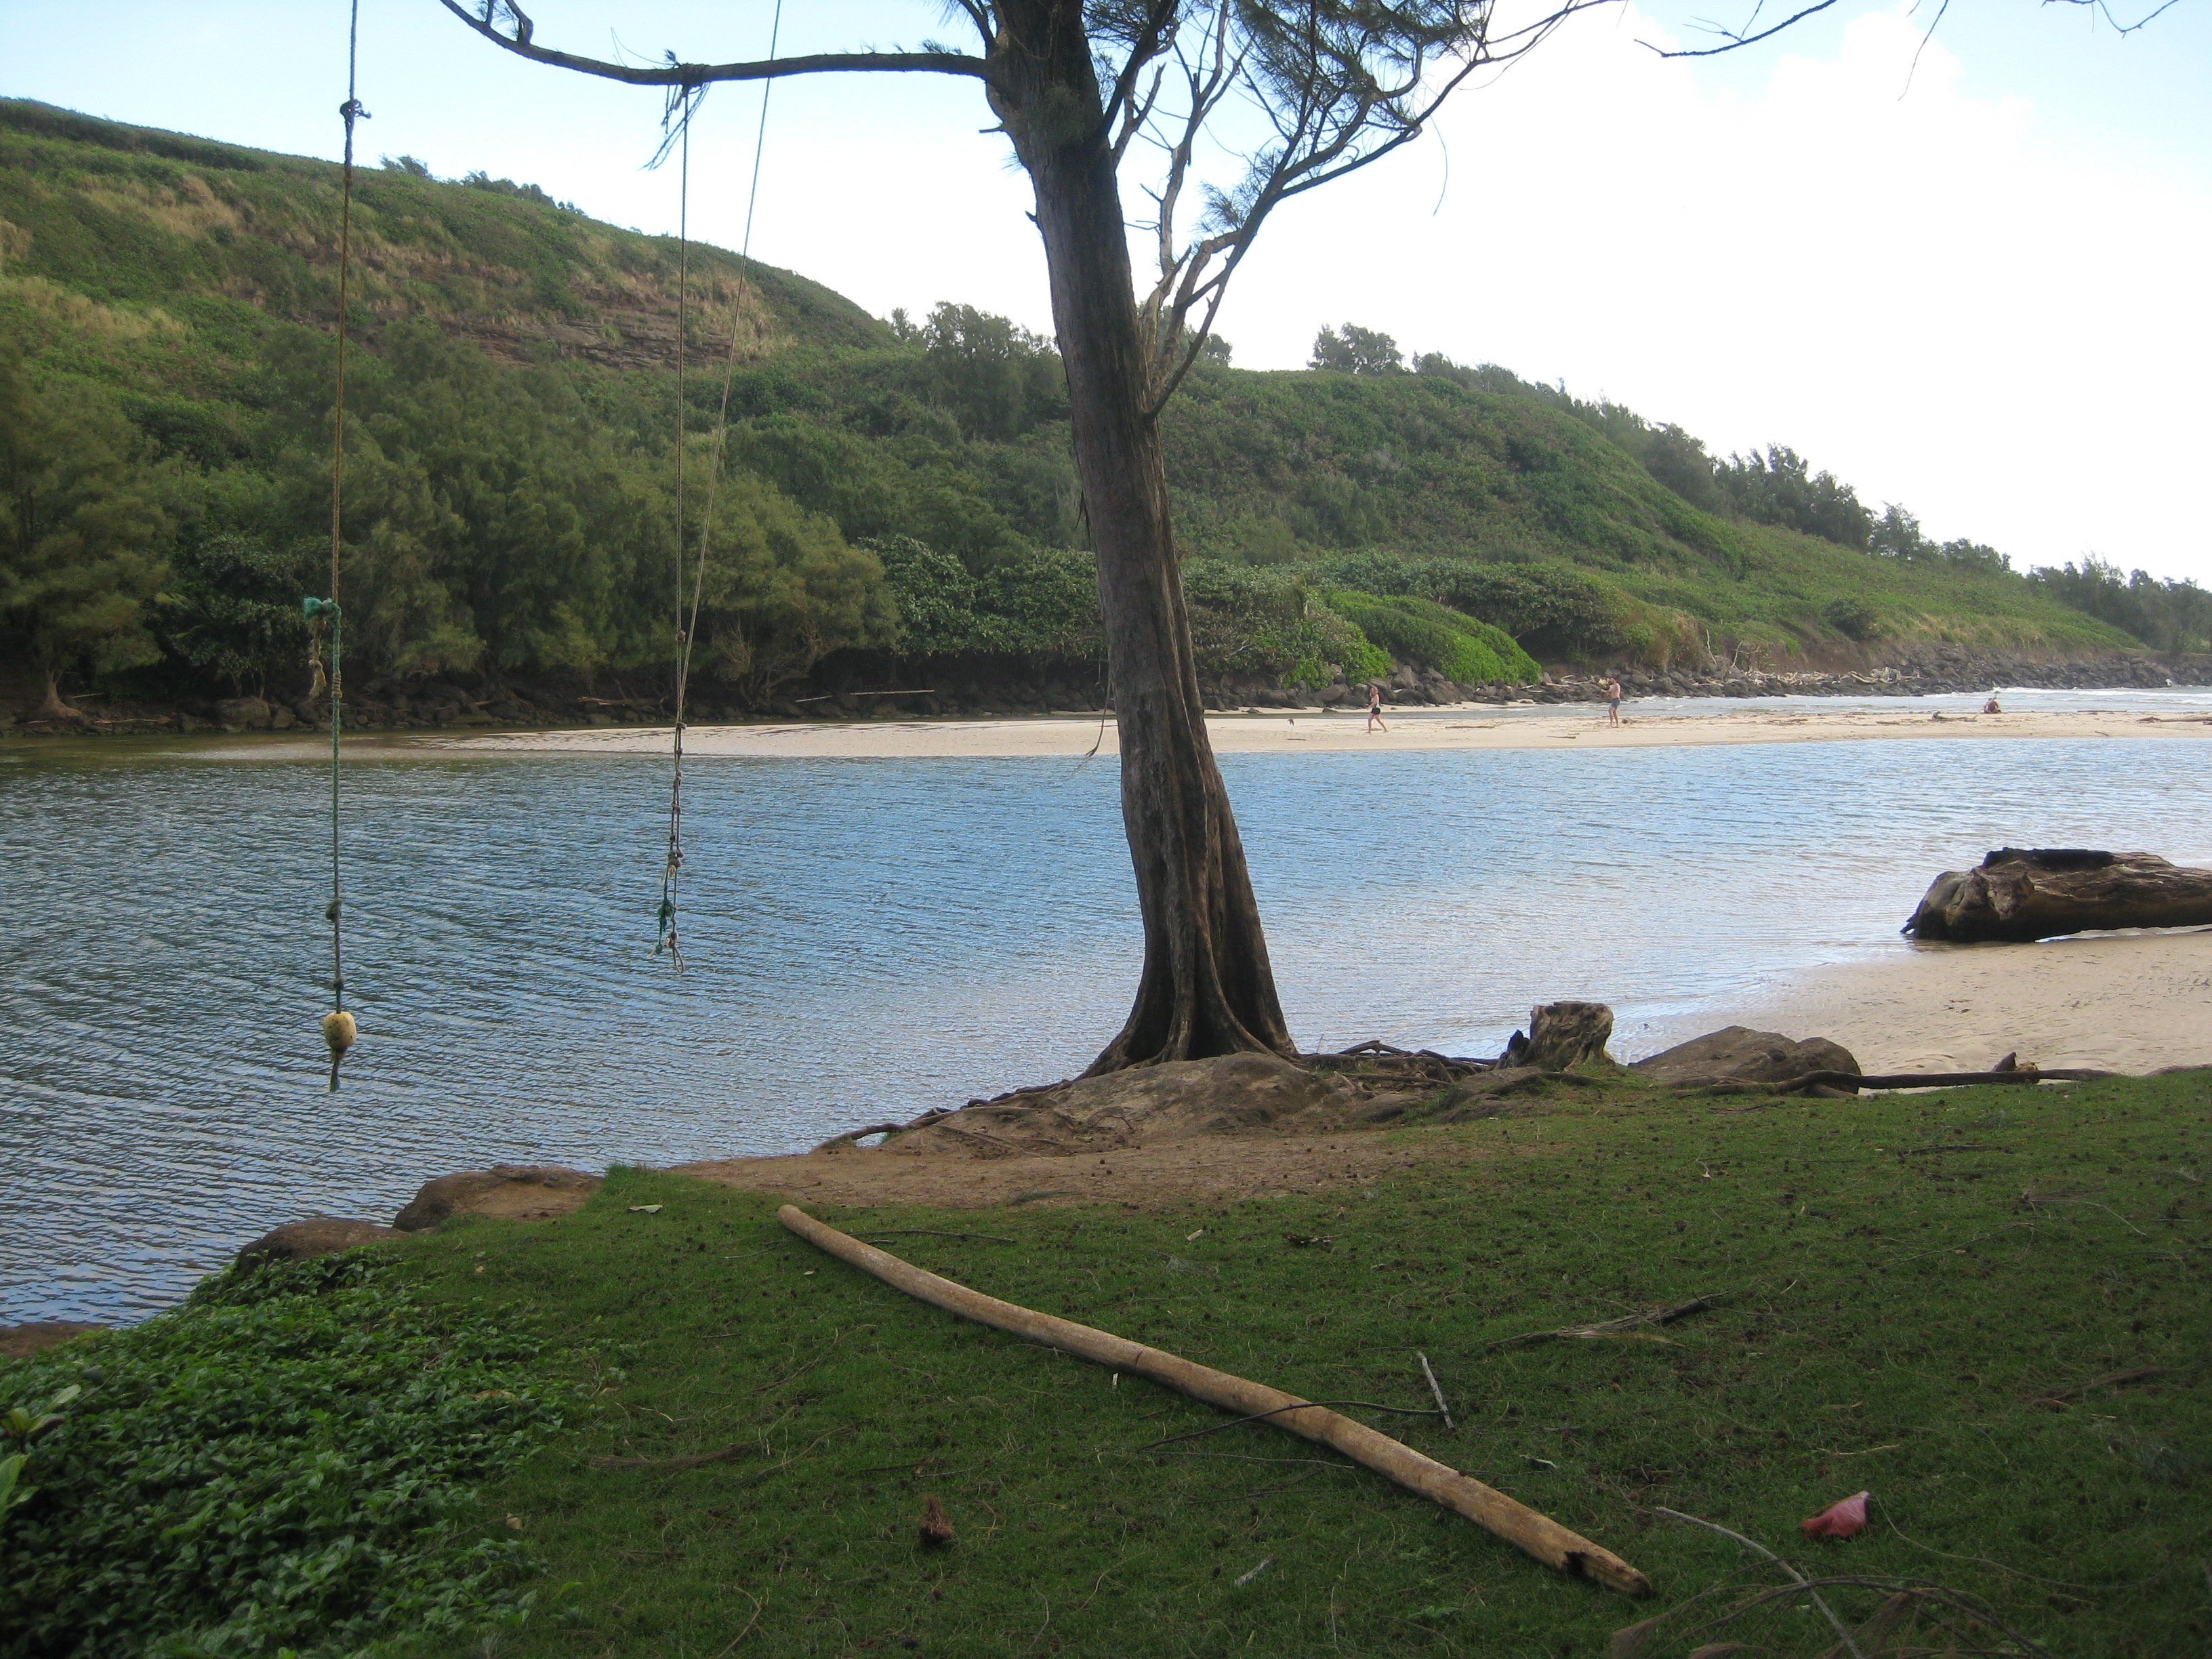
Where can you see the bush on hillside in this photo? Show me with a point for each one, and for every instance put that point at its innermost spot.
(1433, 636)
(1270, 621)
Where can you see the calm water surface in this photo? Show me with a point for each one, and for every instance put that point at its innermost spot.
(867, 938)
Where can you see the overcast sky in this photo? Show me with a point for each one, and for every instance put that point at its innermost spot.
(1977, 286)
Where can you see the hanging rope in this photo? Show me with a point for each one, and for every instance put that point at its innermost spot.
(687, 624)
(339, 1030)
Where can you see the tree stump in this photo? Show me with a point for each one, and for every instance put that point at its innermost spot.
(1561, 1035)
(2019, 894)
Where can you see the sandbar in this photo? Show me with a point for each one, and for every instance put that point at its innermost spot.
(1048, 737)
(2122, 1002)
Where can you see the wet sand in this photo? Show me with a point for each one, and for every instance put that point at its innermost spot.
(1476, 728)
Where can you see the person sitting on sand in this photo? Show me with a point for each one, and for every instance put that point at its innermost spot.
(1991, 706)
(1374, 707)
(1612, 701)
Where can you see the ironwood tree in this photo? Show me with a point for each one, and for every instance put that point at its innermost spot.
(1289, 97)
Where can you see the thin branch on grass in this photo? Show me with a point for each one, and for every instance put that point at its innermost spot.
(729, 1454)
(1626, 1326)
(931, 1232)
(2109, 1380)
(1797, 1577)
(1438, 1389)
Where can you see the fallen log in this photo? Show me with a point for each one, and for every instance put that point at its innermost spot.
(1854, 1082)
(2020, 893)
(1516, 1522)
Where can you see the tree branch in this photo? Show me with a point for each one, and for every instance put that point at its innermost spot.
(696, 74)
(1732, 40)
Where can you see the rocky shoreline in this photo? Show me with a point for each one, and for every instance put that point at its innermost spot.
(1001, 690)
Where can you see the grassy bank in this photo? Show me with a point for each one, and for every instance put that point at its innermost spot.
(1897, 1316)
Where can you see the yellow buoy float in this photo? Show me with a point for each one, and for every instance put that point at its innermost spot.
(340, 1033)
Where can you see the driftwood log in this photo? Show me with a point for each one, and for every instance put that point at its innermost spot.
(2019, 894)
(1516, 1522)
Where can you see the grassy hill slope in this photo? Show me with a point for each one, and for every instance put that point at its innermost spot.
(895, 489)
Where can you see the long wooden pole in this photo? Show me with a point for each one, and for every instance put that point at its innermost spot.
(1519, 1525)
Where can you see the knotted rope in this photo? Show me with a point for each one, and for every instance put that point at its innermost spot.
(339, 1030)
(687, 624)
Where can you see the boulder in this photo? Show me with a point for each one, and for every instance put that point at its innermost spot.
(2018, 894)
(1145, 1105)
(21, 1341)
(1561, 1035)
(250, 711)
(1738, 1054)
(303, 1241)
(511, 1191)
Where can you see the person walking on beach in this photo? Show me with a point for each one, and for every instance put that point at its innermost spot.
(1612, 701)
(1374, 707)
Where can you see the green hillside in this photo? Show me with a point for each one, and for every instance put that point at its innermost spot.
(892, 490)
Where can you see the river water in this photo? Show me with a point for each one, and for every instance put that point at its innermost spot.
(867, 938)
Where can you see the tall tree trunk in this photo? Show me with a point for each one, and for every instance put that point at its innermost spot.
(55, 708)
(1207, 987)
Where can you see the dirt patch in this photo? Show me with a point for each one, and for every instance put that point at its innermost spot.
(508, 1191)
(1219, 1168)
(1213, 1131)
(1146, 1106)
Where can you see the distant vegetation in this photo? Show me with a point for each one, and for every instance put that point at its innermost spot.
(901, 488)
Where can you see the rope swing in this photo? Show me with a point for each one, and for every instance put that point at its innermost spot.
(324, 615)
(687, 621)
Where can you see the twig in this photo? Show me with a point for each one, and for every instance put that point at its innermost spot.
(2110, 1380)
(931, 1232)
(1618, 1327)
(729, 1454)
(1796, 1576)
(1957, 1146)
(750, 1623)
(768, 1388)
(1437, 1389)
(2036, 1201)
(1265, 1562)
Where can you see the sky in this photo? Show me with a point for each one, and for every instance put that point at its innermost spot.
(1966, 272)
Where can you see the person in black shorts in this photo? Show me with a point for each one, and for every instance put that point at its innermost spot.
(1374, 706)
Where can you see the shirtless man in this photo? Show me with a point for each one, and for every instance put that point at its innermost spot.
(1612, 701)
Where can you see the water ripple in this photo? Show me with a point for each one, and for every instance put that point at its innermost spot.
(865, 938)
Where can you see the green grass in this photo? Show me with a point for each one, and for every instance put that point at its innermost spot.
(1896, 1312)
(287, 1464)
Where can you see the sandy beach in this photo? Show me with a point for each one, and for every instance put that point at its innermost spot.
(2122, 1002)
(1475, 727)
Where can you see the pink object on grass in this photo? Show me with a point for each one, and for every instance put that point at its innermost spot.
(1839, 1519)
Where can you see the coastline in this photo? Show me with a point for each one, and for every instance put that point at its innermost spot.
(1472, 727)
(2135, 1002)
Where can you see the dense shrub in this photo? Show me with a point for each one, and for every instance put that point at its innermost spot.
(286, 1462)
(1435, 636)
